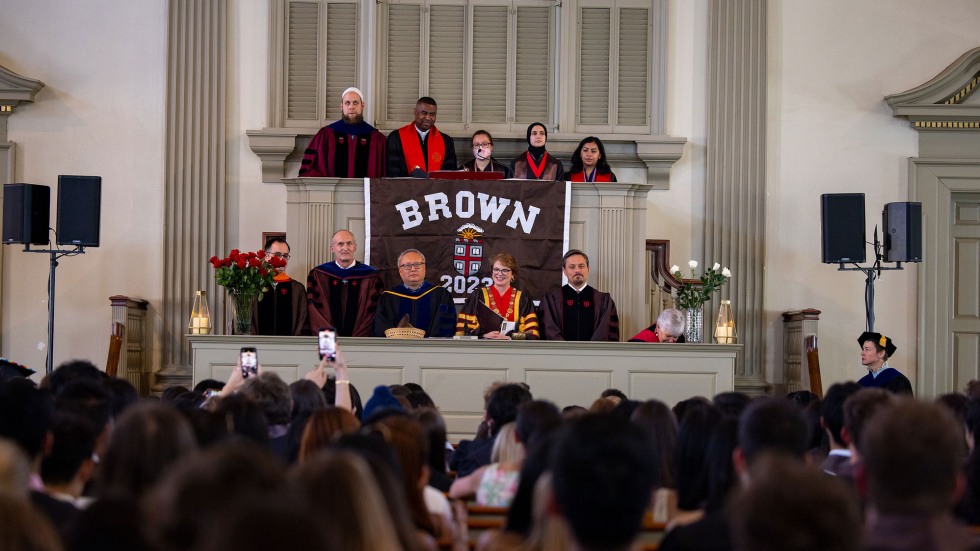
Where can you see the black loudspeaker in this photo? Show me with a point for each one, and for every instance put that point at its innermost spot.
(26, 213)
(902, 223)
(842, 225)
(79, 208)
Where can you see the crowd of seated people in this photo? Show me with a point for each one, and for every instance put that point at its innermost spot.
(254, 463)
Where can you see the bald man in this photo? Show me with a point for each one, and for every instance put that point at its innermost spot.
(343, 294)
(348, 148)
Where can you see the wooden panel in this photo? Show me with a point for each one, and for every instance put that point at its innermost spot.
(671, 387)
(575, 387)
(966, 358)
(966, 302)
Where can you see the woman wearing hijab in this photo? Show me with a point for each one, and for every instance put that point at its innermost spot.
(536, 163)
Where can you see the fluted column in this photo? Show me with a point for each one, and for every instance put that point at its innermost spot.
(194, 226)
(735, 189)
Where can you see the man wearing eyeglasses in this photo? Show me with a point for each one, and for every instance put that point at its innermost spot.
(282, 310)
(427, 306)
(577, 311)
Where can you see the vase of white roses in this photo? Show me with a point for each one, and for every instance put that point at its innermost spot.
(691, 298)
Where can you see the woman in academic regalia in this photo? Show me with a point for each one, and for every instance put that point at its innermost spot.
(875, 351)
(536, 163)
(487, 308)
(589, 162)
(483, 160)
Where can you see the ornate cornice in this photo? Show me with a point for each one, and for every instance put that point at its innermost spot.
(15, 89)
(941, 103)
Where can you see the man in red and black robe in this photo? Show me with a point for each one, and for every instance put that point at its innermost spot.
(343, 294)
(419, 148)
(348, 148)
(577, 311)
(282, 309)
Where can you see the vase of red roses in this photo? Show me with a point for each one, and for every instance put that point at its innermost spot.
(246, 276)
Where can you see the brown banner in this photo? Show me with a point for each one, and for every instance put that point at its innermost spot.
(460, 224)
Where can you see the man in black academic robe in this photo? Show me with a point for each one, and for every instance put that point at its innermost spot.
(283, 309)
(577, 311)
(348, 148)
(418, 147)
(427, 306)
(343, 294)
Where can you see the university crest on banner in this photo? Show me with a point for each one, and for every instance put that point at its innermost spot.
(459, 225)
(468, 250)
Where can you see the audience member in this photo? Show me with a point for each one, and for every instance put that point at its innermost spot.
(272, 396)
(434, 428)
(859, 408)
(731, 404)
(603, 477)
(495, 484)
(968, 509)
(148, 440)
(501, 409)
(656, 419)
(832, 422)
(911, 455)
(790, 507)
(324, 428)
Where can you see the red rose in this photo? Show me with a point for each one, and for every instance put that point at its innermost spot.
(260, 254)
(241, 263)
(254, 263)
(225, 263)
(214, 261)
(263, 272)
(233, 253)
(277, 262)
(251, 254)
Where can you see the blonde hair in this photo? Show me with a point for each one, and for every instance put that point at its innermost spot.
(506, 448)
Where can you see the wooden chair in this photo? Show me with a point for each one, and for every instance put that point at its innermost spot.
(116, 339)
(813, 364)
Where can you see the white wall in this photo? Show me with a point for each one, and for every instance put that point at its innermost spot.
(830, 65)
(101, 112)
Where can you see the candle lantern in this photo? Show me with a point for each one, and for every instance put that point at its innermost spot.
(200, 323)
(725, 324)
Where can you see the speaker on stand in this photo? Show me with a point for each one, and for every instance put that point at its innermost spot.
(26, 213)
(842, 228)
(902, 226)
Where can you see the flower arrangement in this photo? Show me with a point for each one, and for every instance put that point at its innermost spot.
(692, 296)
(245, 273)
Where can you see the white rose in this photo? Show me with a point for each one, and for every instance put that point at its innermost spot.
(675, 268)
(716, 266)
(726, 272)
(693, 264)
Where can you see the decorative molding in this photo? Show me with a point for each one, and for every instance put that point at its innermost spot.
(735, 186)
(940, 102)
(194, 172)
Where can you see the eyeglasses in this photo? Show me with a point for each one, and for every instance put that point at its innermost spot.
(476, 145)
(501, 271)
(284, 256)
(412, 265)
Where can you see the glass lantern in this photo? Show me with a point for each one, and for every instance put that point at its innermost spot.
(200, 322)
(725, 324)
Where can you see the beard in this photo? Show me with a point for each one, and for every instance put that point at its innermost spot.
(353, 119)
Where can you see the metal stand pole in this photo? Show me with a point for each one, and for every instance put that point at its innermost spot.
(49, 363)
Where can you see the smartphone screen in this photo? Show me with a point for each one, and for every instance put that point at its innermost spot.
(328, 344)
(250, 362)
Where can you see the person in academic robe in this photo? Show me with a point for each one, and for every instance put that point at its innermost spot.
(536, 163)
(282, 309)
(488, 309)
(589, 162)
(875, 351)
(343, 294)
(483, 160)
(577, 311)
(348, 148)
(669, 328)
(418, 147)
(427, 306)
